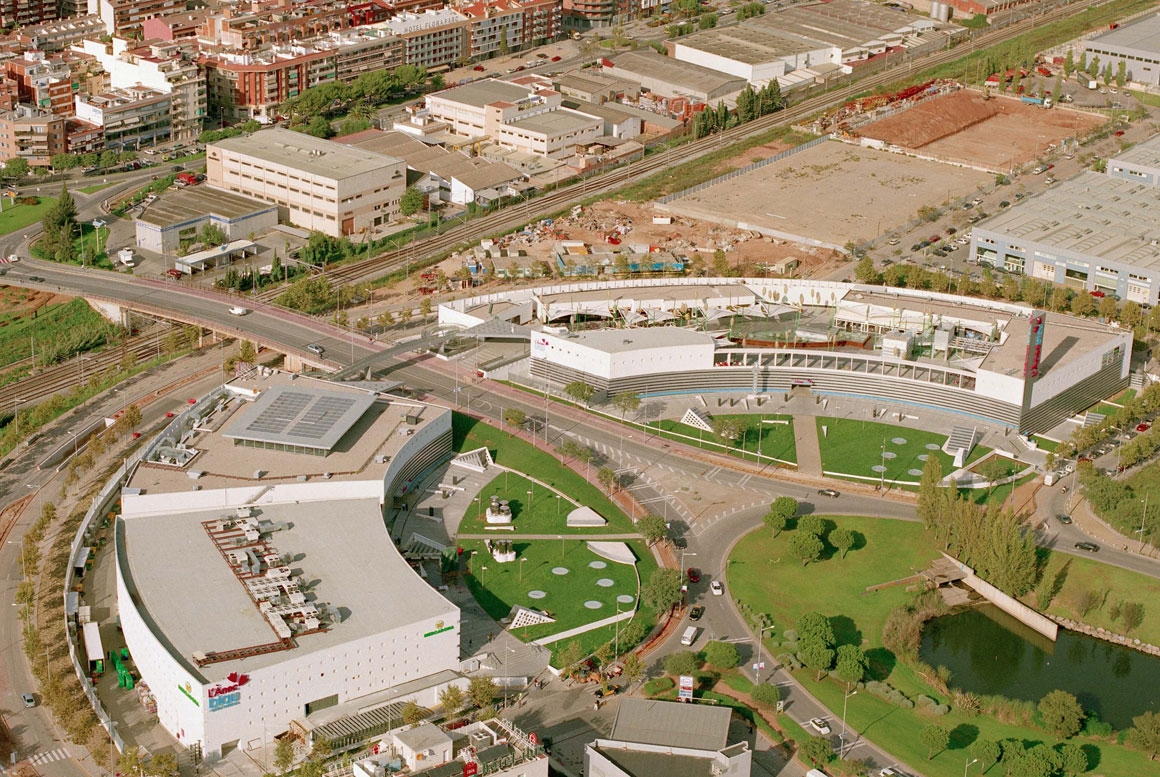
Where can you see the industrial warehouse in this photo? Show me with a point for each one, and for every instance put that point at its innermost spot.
(989, 360)
(257, 583)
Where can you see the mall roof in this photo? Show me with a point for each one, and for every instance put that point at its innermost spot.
(1146, 154)
(1143, 35)
(629, 340)
(201, 606)
(747, 44)
(195, 202)
(484, 92)
(671, 724)
(299, 151)
(302, 416)
(649, 64)
(1092, 215)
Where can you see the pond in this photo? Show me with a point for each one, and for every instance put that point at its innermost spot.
(991, 653)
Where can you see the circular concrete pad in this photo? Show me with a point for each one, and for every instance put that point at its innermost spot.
(899, 441)
(536, 594)
(930, 446)
(915, 472)
(559, 570)
(922, 456)
(597, 564)
(591, 605)
(890, 455)
(604, 582)
(878, 468)
(625, 599)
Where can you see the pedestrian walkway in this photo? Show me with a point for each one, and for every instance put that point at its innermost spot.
(59, 754)
(809, 453)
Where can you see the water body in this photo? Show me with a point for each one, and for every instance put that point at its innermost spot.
(989, 652)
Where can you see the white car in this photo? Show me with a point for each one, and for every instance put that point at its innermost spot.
(887, 772)
(717, 588)
(820, 725)
(237, 310)
(13, 258)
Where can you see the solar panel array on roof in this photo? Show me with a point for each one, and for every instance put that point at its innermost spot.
(297, 417)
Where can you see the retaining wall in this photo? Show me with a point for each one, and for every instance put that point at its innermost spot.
(1008, 604)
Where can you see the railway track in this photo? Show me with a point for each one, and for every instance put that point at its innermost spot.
(62, 377)
(504, 220)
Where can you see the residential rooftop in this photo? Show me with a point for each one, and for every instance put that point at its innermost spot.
(195, 202)
(297, 150)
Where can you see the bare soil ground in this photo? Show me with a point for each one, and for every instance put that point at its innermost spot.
(995, 134)
(832, 193)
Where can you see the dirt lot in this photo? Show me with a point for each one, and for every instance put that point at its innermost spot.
(994, 134)
(831, 194)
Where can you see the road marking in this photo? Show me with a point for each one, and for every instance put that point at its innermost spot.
(52, 755)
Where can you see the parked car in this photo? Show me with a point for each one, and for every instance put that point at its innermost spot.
(820, 725)
(28, 699)
(696, 612)
(479, 68)
(1090, 547)
(893, 241)
(556, 59)
(174, 273)
(680, 543)
(828, 492)
(13, 258)
(1098, 293)
(36, 279)
(693, 574)
(1004, 204)
(1143, 426)
(1063, 518)
(717, 587)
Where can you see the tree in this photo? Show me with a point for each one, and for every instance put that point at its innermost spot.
(513, 416)
(626, 402)
(1133, 615)
(1121, 73)
(652, 528)
(1062, 714)
(1082, 304)
(775, 521)
(319, 127)
(130, 762)
(162, 765)
(451, 699)
(579, 391)
(851, 664)
(815, 625)
(707, 21)
(569, 656)
(683, 662)
(633, 667)
(212, 235)
(16, 167)
(936, 738)
(413, 713)
(1075, 760)
(606, 476)
(63, 161)
(817, 751)
(783, 508)
(843, 540)
(766, 694)
(722, 654)
(806, 547)
(412, 201)
(1068, 64)
(481, 691)
(283, 754)
(663, 589)
(1145, 734)
(815, 654)
(864, 271)
(425, 307)
(986, 750)
(811, 524)
(727, 429)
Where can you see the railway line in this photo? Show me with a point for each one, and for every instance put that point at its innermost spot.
(62, 377)
(510, 218)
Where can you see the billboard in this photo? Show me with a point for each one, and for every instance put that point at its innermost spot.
(685, 688)
(1035, 327)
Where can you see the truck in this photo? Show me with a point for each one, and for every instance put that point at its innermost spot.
(187, 179)
(1031, 100)
(1086, 81)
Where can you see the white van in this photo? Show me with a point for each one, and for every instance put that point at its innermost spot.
(690, 636)
(815, 773)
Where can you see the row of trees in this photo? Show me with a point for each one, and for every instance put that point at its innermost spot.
(61, 230)
(992, 540)
(370, 89)
(18, 167)
(1092, 67)
(750, 105)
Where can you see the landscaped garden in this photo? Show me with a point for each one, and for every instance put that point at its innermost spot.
(769, 435)
(766, 575)
(871, 451)
(20, 215)
(535, 508)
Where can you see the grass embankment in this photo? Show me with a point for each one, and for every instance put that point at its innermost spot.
(1110, 585)
(855, 447)
(88, 247)
(60, 329)
(535, 509)
(17, 217)
(764, 575)
(771, 434)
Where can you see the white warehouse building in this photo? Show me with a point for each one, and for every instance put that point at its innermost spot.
(252, 603)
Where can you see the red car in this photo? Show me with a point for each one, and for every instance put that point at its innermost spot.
(479, 68)
(1143, 427)
(693, 574)
(935, 238)
(1098, 293)
(174, 273)
(556, 59)
(1119, 133)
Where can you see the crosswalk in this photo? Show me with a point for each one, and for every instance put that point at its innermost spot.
(59, 754)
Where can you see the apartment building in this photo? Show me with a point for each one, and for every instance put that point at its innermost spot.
(175, 26)
(587, 14)
(31, 133)
(433, 38)
(169, 67)
(252, 84)
(59, 35)
(497, 27)
(9, 94)
(253, 26)
(124, 16)
(80, 137)
(44, 82)
(317, 184)
(543, 20)
(132, 118)
(22, 13)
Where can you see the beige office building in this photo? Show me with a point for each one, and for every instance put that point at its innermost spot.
(317, 184)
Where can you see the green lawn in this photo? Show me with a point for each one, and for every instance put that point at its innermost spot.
(17, 217)
(776, 439)
(1045, 444)
(544, 514)
(853, 447)
(764, 576)
(89, 247)
(521, 456)
(94, 188)
(1117, 585)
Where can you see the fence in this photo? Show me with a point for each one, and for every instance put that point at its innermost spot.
(741, 171)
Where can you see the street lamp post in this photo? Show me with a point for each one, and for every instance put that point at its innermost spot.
(757, 652)
(1142, 517)
(16, 412)
(483, 575)
(558, 509)
(846, 698)
(522, 569)
(968, 766)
